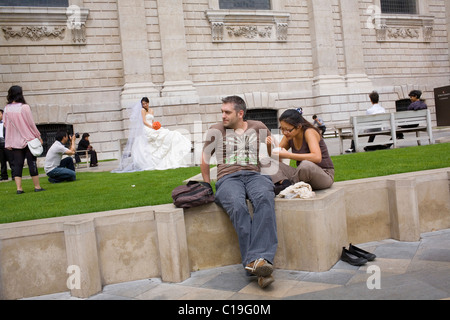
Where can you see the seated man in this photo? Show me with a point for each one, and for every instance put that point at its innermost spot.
(235, 142)
(83, 145)
(319, 123)
(56, 169)
(416, 102)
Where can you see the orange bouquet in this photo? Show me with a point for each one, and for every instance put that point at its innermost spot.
(156, 125)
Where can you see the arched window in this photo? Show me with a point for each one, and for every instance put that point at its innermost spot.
(266, 116)
(48, 133)
(402, 105)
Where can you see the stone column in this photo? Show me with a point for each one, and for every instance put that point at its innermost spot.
(404, 209)
(353, 47)
(172, 244)
(82, 259)
(447, 15)
(177, 81)
(324, 52)
(135, 52)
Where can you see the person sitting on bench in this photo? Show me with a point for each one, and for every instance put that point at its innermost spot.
(84, 145)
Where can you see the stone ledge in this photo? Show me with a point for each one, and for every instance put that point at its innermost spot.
(163, 241)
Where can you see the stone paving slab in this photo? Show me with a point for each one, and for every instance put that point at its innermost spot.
(408, 271)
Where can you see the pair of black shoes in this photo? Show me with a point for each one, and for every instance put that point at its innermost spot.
(356, 256)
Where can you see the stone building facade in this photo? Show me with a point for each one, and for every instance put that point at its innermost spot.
(82, 62)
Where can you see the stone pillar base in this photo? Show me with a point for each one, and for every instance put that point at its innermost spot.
(178, 88)
(311, 232)
(133, 92)
(82, 259)
(404, 210)
(172, 244)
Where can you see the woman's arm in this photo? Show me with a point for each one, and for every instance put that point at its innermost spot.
(28, 116)
(312, 138)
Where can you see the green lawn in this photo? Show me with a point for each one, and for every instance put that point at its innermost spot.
(387, 162)
(103, 191)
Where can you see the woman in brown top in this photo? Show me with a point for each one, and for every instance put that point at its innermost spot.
(307, 147)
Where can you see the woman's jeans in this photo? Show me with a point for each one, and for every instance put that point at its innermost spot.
(65, 171)
(257, 236)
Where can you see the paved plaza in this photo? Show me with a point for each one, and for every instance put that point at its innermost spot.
(401, 271)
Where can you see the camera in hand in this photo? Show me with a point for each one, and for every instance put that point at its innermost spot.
(77, 135)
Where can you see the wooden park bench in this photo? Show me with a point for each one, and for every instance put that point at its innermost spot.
(389, 124)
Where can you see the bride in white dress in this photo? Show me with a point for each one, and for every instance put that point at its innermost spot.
(150, 149)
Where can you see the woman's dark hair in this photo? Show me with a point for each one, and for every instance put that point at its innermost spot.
(15, 94)
(145, 99)
(295, 118)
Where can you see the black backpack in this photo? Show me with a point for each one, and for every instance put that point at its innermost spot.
(193, 194)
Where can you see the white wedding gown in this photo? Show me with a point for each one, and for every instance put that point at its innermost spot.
(156, 150)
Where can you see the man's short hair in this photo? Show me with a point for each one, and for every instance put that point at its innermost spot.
(60, 135)
(238, 102)
(374, 97)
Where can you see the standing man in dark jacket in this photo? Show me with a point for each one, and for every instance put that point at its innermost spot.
(3, 152)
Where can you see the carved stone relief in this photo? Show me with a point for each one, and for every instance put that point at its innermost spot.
(42, 26)
(34, 33)
(404, 29)
(240, 26)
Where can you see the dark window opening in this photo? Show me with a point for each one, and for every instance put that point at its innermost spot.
(399, 6)
(402, 105)
(245, 4)
(266, 116)
(48, 133)
(34, 3)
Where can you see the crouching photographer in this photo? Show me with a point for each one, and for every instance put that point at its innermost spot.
(56, 168)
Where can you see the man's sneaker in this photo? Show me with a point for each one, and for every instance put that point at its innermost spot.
(349, 150)
(260, 268)
(265, 281)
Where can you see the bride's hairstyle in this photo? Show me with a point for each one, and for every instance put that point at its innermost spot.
(145, 99)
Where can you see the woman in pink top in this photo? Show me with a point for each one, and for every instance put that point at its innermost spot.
(20, 129)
